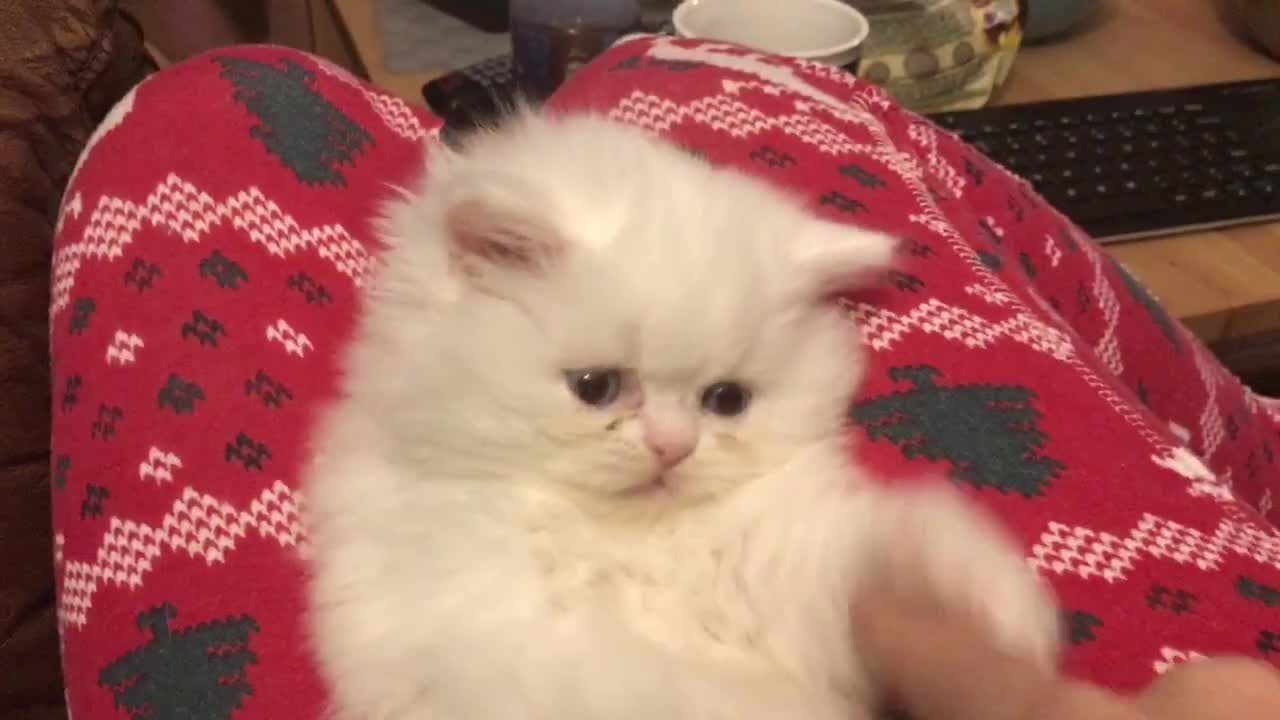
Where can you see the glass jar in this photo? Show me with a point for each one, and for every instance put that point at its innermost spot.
(550, 39)
(655, 15)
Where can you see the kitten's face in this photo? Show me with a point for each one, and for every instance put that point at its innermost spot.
(662, 336)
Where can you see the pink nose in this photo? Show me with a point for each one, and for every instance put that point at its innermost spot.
(670, 450)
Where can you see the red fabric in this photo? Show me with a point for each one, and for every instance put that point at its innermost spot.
(214, 239)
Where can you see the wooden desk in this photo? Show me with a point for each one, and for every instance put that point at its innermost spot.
(1224, 285)
(357, 19)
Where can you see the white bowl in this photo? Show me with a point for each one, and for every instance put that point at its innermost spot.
(826, 31)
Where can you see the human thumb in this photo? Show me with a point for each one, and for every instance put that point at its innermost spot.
(937, 666)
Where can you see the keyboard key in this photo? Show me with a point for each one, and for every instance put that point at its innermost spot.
(1120, 165)
(1115, 205)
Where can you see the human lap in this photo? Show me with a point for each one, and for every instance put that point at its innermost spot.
(214, 242)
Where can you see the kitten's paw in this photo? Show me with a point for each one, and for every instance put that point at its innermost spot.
(942, 548)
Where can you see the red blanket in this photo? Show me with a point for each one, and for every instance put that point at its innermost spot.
(215, 237)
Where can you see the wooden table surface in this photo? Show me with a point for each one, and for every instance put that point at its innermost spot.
(1224, 284)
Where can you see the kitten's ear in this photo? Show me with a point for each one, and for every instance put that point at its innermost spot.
(833, 258)
(498, 224)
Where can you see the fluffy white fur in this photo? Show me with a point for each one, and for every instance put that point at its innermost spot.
(488, 547)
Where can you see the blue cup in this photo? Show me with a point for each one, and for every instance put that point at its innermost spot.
(1050, 18)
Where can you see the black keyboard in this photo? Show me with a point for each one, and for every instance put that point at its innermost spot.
(1142, 164)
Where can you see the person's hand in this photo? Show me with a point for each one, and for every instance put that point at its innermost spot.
(939, 667)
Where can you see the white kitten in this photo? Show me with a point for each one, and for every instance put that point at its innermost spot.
(589, 460)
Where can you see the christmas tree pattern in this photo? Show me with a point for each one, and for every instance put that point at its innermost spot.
(988, 433)
(1080, 626)
(991, 260)
(196, 673)
(1258, 592)
(863, 177)
(1067, 240)
(1028, 266)
(1158, 314)
(311, 136)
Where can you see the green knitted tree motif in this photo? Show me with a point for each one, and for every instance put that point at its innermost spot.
(1258, 592)
(989, 434)
(1148, 302)
(309, 134)
(1080, 626)
(196, 673)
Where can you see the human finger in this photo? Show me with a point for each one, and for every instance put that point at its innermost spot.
(1224, 687)
(941, 667)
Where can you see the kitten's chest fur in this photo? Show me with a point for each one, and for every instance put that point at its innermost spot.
(684, 587)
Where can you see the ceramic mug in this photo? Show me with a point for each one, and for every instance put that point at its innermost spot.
(825, 31)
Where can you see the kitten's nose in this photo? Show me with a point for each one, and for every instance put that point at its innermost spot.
(670, 449)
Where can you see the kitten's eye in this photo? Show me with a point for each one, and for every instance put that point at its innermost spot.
(726, 398)
(595, 387)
